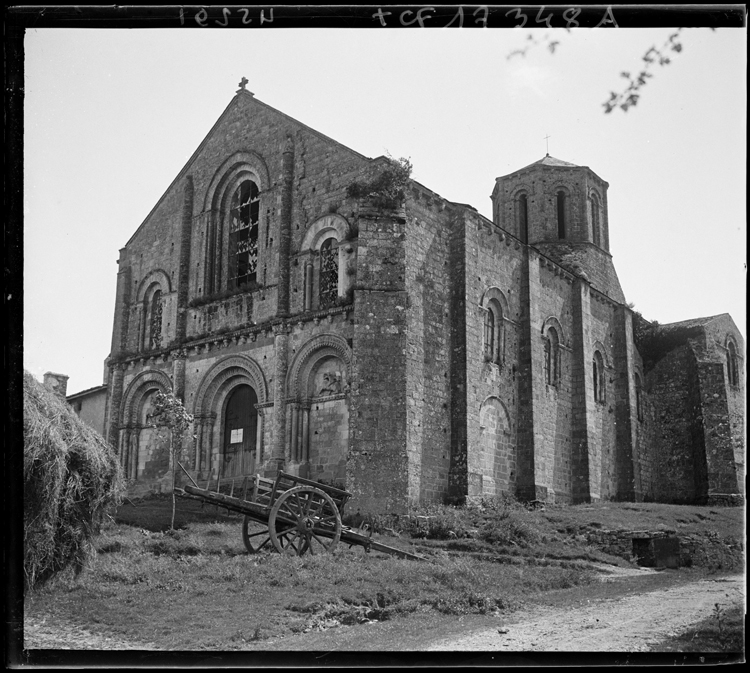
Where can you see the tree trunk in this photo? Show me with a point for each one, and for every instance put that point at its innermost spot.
(174, 475)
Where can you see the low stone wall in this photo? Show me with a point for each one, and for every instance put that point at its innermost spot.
(706, 550)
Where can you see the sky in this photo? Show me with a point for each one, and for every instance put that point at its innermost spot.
(112, 115)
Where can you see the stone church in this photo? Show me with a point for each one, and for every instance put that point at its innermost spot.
(409, 350)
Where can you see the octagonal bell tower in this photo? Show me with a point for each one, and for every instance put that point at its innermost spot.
(561, 209)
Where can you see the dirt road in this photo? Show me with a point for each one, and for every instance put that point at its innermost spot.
(630, 624)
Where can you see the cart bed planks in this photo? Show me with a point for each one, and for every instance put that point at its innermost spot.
(295, 515)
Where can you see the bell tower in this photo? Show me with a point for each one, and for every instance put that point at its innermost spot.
(561, 209)
(553, 200)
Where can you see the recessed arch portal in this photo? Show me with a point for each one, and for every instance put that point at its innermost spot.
(318, 409)
(229, 399)
(142, 448)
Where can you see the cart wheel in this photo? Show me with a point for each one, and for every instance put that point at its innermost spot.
(252, 535)
(304, 519)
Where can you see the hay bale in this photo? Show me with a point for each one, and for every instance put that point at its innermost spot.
(71, 476)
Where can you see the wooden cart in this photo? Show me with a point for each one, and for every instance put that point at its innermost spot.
(296, 515)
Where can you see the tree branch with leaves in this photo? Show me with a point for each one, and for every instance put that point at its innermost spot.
(630, 95)
(169, 412)
(660, 56)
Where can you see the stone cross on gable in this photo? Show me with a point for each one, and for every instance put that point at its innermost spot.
(243, 83)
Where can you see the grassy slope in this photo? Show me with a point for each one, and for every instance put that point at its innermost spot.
(196, 588)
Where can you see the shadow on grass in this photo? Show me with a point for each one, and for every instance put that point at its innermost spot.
(155, 513)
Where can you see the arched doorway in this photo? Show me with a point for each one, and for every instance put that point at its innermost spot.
(240, 432)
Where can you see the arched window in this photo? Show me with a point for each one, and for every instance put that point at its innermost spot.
(523, 217)
(494, 332)
(155, 321)
(244, 216)
(329, 273)
(594, 215)
(329, 262)
(489, 335)
(733, 374)
(561, 214)
(599, 380)
(552, 357)
(638, 397)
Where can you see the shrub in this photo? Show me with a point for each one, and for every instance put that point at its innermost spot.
(387, 190)
(439, 522)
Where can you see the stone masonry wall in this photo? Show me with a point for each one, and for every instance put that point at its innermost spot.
(378, 467)
(592, 260)
(603, 328)
(329, 437)
(554, 403)
(493, 260)
(428, 357)
(541, 183)
(717, 331)
(717, 430)
(323, 170)
(674, 415)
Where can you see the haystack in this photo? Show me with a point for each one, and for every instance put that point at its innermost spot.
(71, 477)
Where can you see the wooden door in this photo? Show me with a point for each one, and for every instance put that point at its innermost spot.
(240, 429)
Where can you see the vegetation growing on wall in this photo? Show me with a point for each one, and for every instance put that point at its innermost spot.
(387, 189)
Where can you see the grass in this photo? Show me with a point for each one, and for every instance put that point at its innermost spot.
(196, 588)
(153, 513)
(723, 631)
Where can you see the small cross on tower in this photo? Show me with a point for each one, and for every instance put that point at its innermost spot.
(243, 83)
(547, 137)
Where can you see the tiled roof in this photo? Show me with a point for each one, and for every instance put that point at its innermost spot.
(88, 390)
(550, 161)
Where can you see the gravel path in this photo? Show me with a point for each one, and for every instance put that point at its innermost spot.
(631, 624)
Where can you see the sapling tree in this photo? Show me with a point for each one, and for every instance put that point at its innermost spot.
(168, 412)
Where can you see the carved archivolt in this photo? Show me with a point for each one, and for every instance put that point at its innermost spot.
(157, 276)
(307, 360)
(223, 377)
(324, 227)
(138, 391)
(239, 165)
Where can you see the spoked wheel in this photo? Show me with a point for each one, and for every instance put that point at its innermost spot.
(304, 519)
(255, 535)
